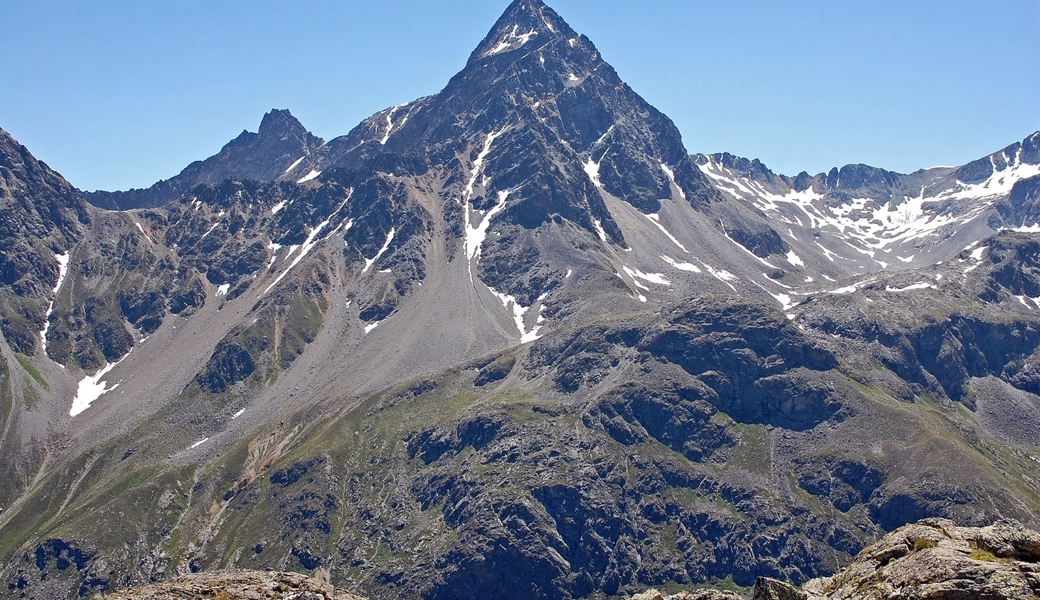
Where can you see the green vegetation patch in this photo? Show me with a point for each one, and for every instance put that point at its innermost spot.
(31, 370)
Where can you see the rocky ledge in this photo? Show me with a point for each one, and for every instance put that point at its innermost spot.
(933, 559)
(237, 585)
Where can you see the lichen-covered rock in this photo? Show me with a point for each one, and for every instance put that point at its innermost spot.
(936, 559)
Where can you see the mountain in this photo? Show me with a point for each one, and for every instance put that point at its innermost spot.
(508, 339)
(279, 145)
(876, 219)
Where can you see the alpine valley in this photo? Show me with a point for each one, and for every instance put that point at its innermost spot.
(509, 340)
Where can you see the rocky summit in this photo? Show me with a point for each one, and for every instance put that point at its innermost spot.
(509, 339)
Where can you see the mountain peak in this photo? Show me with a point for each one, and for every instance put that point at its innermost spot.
(281, 123)
(526, 24)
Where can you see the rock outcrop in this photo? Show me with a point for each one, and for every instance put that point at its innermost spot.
(237, 585)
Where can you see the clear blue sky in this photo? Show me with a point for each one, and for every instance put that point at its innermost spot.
(120, 93)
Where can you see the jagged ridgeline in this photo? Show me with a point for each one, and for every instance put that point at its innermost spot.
(509, 339)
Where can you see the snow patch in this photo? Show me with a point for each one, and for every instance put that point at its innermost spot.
(92, 387)
(309, 176)
(599, 229)
(592, 170)
(199, 443)
(223, 290)
(371, 326)
(851, 289)
(651, 277)
(722, 275)
(238, 414)
(277, 207)
(475, 234)
(682, 266)
(526, 335)
(795, 260)
(512, 40)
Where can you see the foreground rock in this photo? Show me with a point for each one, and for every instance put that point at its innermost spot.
(237, 585)
(931, 559)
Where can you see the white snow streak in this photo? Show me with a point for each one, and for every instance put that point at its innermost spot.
(599, 229)
(371, 326)
(63, 271)
(148, 237)
(310, 243)
(478, 164)
(295, 164)
(794, 259)
(277, 207)
(390, 122)
(215, 225)
(386, 246)
(199, 443)
(238, 414)
(671, 177)
(656, 220)
(309, 176)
